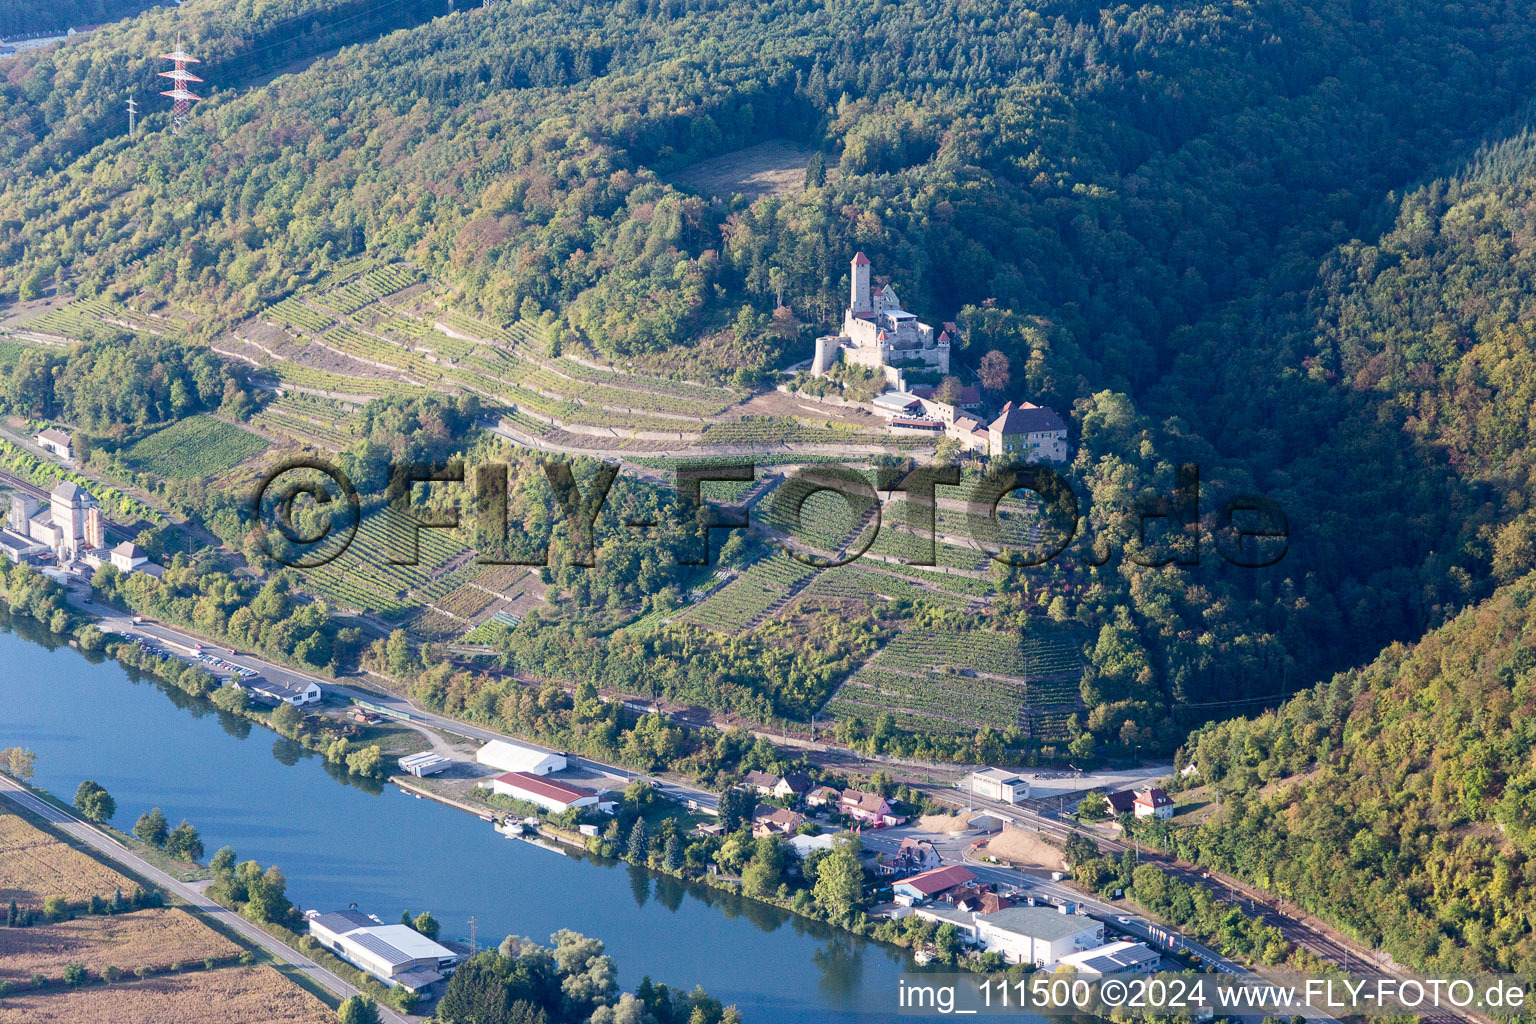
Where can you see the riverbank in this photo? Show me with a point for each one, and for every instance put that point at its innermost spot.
(29, 800)
(341, 841)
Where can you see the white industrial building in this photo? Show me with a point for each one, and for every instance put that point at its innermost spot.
(554, 797)
(396, 954)
(506, 756)
(1115, 958)
(997, 784)
(1038, 935)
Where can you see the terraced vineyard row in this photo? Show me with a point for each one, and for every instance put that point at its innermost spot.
(849, 581)
(391, 279)
(303, 376)
(71, 319)
(600, 394)
(292, 313)
(930, 680)
(975, 701)
(747, 600)
(762, 430)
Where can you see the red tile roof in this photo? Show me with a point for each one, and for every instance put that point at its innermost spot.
(860, 260)
(936, 881)
(1153, 798)
(543, 787)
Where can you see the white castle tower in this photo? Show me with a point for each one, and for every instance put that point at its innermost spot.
(858, 297)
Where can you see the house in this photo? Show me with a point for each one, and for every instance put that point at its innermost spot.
(555, 797)
(822, 796)
(879, 334)
(1038, 935)
(56, 442)
(1153, 803)
(762, 783)
(1028, 432)
(929, 884)
(794, 784)
(917, 855)
(868, 807)
(767, 820)
(977, 902)
(1123, 802)
(128, 556)
(506, 756)
(1114, 958)
(297, 694)
(973, 437)
(396, 954)
(997, 784)
(714, 828)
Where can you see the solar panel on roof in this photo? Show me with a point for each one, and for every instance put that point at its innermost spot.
(378, 947)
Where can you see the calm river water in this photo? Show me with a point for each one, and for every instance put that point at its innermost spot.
(338, 844)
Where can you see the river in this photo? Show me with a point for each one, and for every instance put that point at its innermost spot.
(338, 843)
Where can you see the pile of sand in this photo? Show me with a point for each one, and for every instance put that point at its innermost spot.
(1026, 849)
(942, 823)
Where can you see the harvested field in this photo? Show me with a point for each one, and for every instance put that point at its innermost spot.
(34, 866)
(1025, 849)
(154, 938)
(230, 995)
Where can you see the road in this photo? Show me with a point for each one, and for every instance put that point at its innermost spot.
(115, 851)
(281, 673)
(956, 849)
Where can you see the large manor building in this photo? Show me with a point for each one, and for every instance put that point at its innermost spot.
(879, 334)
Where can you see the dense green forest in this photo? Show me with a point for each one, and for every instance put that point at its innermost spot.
(1398, 800)
(26, 17)
(1202, 231)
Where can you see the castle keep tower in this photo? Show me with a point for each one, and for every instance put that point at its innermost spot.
(858, 297)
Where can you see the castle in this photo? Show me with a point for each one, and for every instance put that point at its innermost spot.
(878, 333)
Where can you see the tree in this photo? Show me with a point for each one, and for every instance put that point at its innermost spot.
(184, 842)
(286, 719)
(94, 803)
(74, 974)
(426, 924)
(639, 848)
(358, 1010)
(368, 762)
(839, 888)
(18, 762)
(816, 171)
(673, 853)
(995, 371)
(267, 894)
(1094, 806)
(152, 827)
(232, 699)
(1080, 849)
(949, 390)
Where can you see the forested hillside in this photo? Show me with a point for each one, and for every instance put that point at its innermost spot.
(1176, 222)
(1398, 800)
(25, 17)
